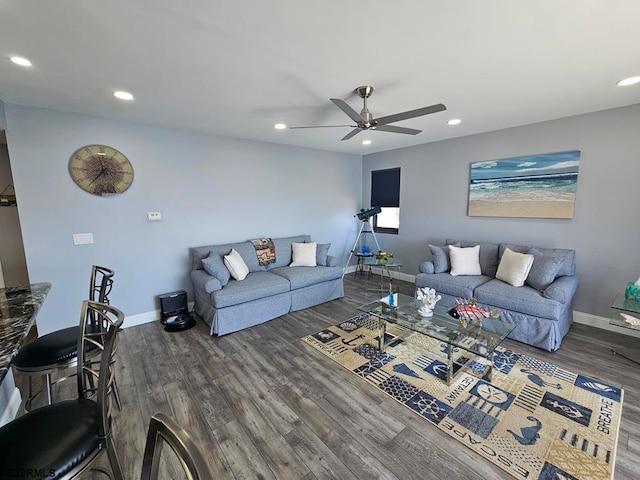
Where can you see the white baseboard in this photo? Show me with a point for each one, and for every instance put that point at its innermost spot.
(395, 274)
(603, 323)
(141, 318)
(146, 317)
(350, 269)
(11, 409)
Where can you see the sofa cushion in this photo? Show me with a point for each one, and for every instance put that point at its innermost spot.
(544, 270)
(301, 277)
(488, 255)
(248, 253)
(283, 250)
(568, 265)
(215, 267)
(462, 286)
(322, 251)
(514, 267)
(236, 266)
(465, 261)
(246, 250)
(303, 254)
(440, 258)
(255, 285)
(497, 293)
(426, 267)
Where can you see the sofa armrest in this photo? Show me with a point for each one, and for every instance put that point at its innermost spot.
(426, 267)
(562, 289)
(332, 261)
(203, 281)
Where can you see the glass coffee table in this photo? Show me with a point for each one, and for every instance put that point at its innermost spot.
(481, 341)
(631, 307)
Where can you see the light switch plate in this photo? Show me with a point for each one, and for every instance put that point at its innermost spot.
(154, 216)
(82, 238)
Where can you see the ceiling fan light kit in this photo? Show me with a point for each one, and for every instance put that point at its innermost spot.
(365, 120)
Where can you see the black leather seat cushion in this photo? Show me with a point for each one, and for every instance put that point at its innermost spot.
(54, 438)
(50, 349)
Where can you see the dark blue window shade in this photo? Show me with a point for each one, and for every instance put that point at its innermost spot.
(385, 188)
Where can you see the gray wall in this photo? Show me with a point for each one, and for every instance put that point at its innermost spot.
(606, 226)
(209, 190)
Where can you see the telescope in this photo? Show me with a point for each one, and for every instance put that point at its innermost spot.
(367, 214)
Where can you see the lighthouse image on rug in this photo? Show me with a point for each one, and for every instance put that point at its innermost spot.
(467, 310)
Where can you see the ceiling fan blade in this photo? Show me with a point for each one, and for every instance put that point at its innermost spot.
(410, 114)
(322, 126)
(352, 133)
(346, 108)
(394, 129)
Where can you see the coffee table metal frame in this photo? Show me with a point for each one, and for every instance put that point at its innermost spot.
(628, 306)
(481, 341)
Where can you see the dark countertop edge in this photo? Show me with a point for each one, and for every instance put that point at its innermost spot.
(45, 287)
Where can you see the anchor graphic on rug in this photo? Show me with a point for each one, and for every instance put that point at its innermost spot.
(350, 342)
(535, 378)
(529, 434)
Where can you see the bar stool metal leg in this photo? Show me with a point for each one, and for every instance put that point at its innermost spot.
(46, 388)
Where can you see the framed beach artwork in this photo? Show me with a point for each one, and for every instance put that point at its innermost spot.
(533, 186)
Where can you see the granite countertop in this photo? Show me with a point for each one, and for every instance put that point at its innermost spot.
(18, 309)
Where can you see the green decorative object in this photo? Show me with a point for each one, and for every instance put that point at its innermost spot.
(632, 292)
(383, 257)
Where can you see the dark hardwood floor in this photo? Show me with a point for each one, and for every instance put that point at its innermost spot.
(261, 404)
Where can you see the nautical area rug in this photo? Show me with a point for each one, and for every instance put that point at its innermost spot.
(534, 419)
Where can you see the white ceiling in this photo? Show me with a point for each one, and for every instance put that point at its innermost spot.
(236, 67)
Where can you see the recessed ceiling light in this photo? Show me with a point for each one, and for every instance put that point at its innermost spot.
(279, 126)
(123, 95)
(454, 121)
(628, 81)
(366, 142)
(23, 62)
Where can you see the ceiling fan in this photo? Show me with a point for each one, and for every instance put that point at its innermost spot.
(365, 121)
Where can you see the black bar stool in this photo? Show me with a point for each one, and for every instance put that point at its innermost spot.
(63, 440)
(57, 351)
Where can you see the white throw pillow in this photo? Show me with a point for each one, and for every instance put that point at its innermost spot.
(303, 254)
(465, 261)
(514, 267)
(236, 266)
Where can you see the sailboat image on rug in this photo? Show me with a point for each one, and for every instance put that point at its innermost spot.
(534, 419)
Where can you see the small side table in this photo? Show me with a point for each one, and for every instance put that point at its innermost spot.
(631, 307)
(361, 262)
(385, 268)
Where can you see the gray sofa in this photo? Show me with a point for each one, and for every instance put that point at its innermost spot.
(267, 292)
(542, 315)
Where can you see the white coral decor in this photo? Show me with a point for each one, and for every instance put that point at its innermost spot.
(427, 299)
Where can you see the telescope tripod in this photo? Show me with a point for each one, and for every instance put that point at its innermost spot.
(366, 222)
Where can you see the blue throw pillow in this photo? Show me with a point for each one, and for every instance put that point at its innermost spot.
(322, 251)
(215, 267)
(544, 270)
(440, 258)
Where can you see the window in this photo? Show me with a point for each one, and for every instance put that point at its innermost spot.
(385, 193)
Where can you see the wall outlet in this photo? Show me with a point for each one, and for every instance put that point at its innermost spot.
(82, 238)
(154, 216)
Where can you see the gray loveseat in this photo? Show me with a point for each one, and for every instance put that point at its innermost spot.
(267, 292)
(542, 314)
